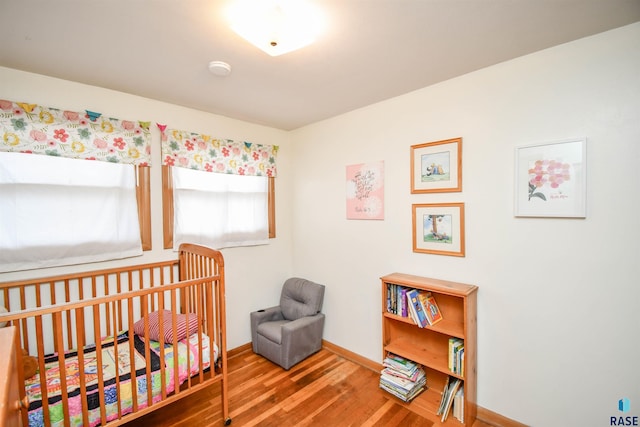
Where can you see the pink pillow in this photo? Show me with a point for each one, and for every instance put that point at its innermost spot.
(185, 327)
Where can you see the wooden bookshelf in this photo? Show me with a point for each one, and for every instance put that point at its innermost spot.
(429, 346)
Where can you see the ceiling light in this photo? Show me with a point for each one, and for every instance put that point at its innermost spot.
(220, 68)
(276, 26)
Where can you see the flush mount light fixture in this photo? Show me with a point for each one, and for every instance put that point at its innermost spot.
(276, 26)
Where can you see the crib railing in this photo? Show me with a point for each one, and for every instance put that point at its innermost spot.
(50, 291)
(63, 313)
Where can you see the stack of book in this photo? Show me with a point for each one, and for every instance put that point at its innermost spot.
(402, 378)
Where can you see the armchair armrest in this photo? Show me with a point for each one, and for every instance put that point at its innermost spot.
(261, 316)
(301, 324)
(301, 337)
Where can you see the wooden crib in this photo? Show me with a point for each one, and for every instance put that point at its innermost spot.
(131, 339)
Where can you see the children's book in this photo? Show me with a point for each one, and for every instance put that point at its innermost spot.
(416, 308)
(431, 309)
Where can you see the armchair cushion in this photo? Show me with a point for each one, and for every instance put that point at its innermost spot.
(299, 299)
(272, 330)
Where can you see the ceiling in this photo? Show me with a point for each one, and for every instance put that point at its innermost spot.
(372, 50)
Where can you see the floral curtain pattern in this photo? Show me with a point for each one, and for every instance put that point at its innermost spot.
(31, 128)
(205, 153)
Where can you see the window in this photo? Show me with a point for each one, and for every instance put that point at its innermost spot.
(74, 186)
(60, 211)
(217, 210)
(234, 210)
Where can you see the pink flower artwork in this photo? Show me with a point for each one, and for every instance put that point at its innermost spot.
(365, 191)
(550, 173)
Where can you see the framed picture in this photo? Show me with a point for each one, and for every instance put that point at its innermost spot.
(550, 179)
(365, 191)
(438, 228)
(436, 167)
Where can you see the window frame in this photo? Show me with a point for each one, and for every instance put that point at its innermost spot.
(143, 195)
(167, 207)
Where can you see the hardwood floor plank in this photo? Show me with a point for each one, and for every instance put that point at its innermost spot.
(378, 414)
(310, 418)
(324, 390)
(326, 380)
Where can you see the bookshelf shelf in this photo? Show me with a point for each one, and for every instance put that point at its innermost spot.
(429, 346)
(443, 327)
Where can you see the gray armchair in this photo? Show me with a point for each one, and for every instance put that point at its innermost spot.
(292, 331)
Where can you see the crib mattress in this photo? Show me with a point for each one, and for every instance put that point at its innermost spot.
(116, 369)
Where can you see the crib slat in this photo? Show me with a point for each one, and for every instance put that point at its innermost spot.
(116, 356)
(56, 325)
(176, 376)
(67, 298)
(119, 306)
(134, 380)
(201, 314)
(80, 331)
(23, 326)
(96, 331)
(210, 331)
(107, 307)
(41, 370)
(188, 358)
(147, 348)
(222, 334)
(62, 371)
(163, 380)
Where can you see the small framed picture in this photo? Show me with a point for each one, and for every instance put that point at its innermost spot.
(438, 228)
(550, 179)
(436, 167)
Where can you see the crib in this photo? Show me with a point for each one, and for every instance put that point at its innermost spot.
(116, 344)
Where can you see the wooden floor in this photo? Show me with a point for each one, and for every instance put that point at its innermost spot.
(323, 390)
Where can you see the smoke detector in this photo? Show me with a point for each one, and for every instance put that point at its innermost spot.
(219, 68)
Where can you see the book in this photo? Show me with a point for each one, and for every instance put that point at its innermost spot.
(416, 308)
(422, 297)
(447, 398)
(431, 309)
(442, 398)
(458, 405)
(400, 364)
(413, 377)
(403, 302)
(456, 349)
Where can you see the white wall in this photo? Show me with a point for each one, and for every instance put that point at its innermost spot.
(559, 299)
(257, 271)
(559, 304)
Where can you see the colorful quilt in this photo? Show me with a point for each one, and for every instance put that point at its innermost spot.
(112, 365)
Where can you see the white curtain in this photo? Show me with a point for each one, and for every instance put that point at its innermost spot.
(219, 210)
(58, 211)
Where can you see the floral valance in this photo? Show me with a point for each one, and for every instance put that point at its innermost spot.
(203, 152)
(31, 128)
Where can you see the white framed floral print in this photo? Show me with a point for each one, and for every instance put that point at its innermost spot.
(550, 179)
